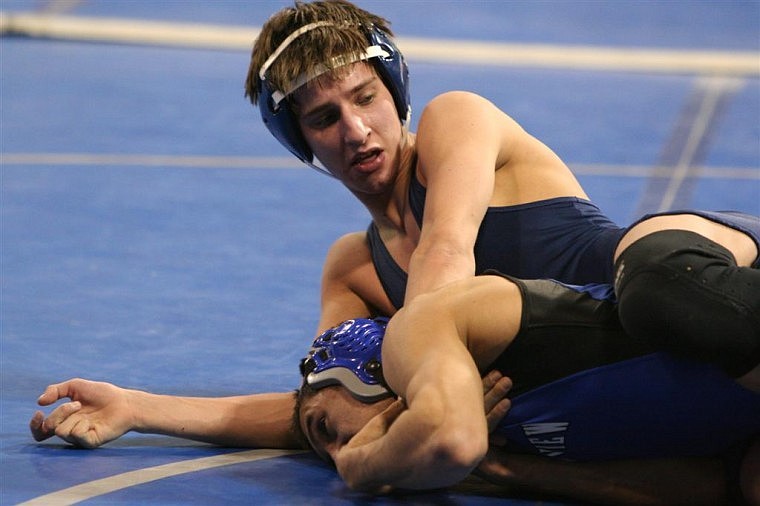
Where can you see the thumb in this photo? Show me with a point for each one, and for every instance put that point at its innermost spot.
(395, 409)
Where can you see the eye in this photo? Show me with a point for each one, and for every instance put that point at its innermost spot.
(322, 427)
(366, 98)
(323, 120)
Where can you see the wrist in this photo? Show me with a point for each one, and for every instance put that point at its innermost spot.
(140, 411)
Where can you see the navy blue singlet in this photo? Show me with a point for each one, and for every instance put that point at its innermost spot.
(606, 395)
(566, 238)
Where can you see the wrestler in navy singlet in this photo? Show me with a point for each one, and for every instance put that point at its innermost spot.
(584, 390)
(564, 238)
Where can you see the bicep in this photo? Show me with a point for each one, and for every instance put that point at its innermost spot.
(421, 349)
(462, 140)
(474, 319)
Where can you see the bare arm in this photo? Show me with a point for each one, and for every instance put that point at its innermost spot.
(101, 412)
(695, 481)
(350, 286)
(460, 142)
(472, 155)
(438, 436)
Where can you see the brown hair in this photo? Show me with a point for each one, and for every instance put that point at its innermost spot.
(346, 34)
(305, 392)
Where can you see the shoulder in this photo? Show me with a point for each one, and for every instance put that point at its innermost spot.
(348, 256)
(466, 111)
(453, 101)
(350, 286)
(350, 248)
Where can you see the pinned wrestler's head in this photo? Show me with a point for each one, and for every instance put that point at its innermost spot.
(343, 385)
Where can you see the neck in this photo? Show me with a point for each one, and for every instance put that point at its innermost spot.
(387, 209)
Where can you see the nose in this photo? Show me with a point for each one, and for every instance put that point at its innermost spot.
(355, 129)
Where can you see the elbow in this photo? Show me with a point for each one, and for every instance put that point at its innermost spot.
(460, 452)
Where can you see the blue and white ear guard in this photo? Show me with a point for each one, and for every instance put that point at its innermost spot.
(349, 355)
(281, 120)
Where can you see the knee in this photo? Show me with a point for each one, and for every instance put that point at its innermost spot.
(669, 255)
(685, 294)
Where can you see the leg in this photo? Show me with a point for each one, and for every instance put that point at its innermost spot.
(680, 287)
(743, 245)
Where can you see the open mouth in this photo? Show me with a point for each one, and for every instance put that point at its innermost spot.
(367, 159)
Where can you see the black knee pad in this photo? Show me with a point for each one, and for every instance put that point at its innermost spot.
(685, 294)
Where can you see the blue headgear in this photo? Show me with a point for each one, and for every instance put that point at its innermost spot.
(349, 355)
(280, 119)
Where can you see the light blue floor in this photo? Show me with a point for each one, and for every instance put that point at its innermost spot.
(204, 280)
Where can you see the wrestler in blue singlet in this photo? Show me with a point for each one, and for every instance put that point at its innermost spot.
(584, 390)
(564, 238)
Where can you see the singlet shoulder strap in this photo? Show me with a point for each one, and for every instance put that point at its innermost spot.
(392, 277)
(417, 194)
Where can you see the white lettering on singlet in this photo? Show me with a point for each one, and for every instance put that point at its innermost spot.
(531, 429)
(551, 442)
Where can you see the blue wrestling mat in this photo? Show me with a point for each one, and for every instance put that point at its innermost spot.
(155, 236)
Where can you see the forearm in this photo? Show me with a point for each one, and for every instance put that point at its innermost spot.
(691, 481)
(415, 453)
(430, 269)
(442, 434)
(258, 420)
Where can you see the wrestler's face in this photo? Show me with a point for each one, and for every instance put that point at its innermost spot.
(350, 122)
(332, 416)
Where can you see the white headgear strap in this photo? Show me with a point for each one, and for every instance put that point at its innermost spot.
(335, 62)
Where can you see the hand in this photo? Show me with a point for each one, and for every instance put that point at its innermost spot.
(98, 413)
(496, 467)
(378, 426)
(495, 390)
